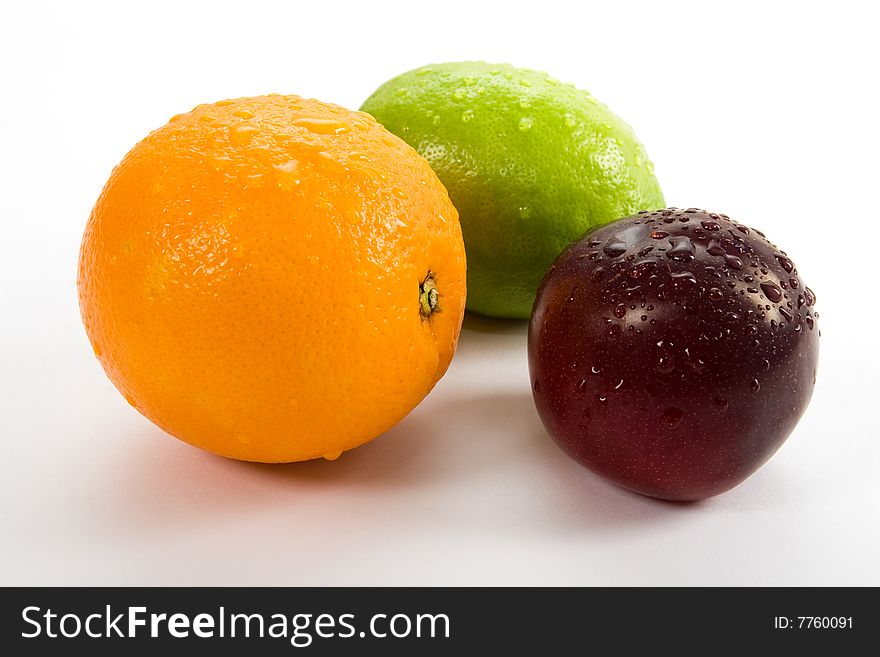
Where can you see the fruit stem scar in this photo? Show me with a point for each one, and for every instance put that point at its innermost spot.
(428, 296)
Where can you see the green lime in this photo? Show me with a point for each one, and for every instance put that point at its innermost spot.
(530, 163)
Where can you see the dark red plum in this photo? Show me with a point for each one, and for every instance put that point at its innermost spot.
(673, 352)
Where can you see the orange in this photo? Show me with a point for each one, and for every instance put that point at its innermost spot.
(273, 279)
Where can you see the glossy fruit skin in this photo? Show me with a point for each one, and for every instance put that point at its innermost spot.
(673, 352)
(250, 278)
(530, 163)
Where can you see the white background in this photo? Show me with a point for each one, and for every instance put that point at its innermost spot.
(766, 111)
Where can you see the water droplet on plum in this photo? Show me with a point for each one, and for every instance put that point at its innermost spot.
(682, 249)
(614, 248)
(734, 262)
(785, 263)
(771, 291)
(714, 248)
(665, 364)
(672, 417)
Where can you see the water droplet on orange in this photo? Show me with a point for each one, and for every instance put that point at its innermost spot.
(321, 126)
(242, 134)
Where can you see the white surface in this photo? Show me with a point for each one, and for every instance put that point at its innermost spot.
(767, 112)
